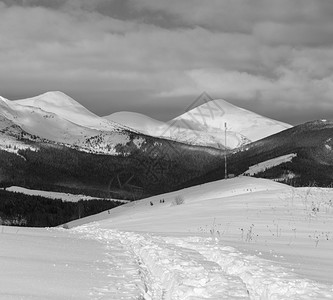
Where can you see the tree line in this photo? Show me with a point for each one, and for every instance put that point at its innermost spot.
(36, 211)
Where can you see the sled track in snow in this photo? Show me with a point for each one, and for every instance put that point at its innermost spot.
(150, 267)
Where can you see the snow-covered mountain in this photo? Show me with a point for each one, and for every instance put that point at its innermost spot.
(56, 117)
(205, 125)
(59, 118)
(243, 126)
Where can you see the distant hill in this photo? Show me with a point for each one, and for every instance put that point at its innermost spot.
(311, 162)
(143, 166)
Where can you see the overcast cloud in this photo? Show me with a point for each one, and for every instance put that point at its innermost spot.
(156, 56)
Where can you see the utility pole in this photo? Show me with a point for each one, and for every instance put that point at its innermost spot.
(225, 151)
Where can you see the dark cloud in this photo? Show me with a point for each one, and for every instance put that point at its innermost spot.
(155, 56)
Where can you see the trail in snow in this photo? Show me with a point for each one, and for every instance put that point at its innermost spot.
(126, 280)
(167, 271)
(152, 267)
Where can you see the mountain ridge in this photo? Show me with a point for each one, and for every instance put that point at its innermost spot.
(58, 117)
(204, 125)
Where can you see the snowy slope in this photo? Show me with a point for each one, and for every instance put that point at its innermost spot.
(11, 136)
(45, 124)
(242, 238)
(262, 217)
(45, 264)
(205, 124)
(200, 194)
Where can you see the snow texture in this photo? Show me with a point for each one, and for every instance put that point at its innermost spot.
(241, 238)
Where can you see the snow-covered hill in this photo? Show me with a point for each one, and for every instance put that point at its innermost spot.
(260, 218)
(205, 125)
(242, 238)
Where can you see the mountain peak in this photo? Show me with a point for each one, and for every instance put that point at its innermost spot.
(242, 125)
(218, 107)
(52, 98)
(56, 102)
(215, 112)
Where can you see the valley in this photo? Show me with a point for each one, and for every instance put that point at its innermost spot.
(143, 209)
(52, 142)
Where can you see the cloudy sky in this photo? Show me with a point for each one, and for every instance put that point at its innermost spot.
(274, 57)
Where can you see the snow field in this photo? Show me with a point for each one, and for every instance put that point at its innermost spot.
(41, 264)
(291, 226)
(241, 238)
(268, 164)
(57, 195)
